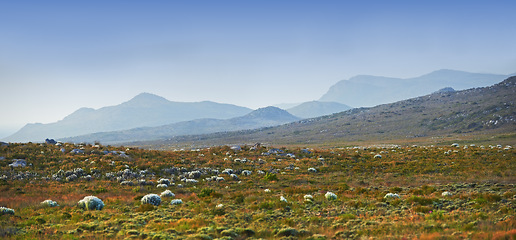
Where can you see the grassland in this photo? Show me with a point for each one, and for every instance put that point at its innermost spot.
(481, 180)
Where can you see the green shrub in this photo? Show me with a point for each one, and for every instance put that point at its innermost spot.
(239, 199)
(145, 208)
(270, 177)
(266, 205)
(205, 192)
(421, 200)
(422, 209)
(286, 232)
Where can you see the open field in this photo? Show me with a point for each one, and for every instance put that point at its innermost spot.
(479, 203)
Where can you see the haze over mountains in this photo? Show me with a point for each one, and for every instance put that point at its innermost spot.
(147, 111)
(263, 117)
(144, 110)
(369, 91)
(317, 108)
(489, 111)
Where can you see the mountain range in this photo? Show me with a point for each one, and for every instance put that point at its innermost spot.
(263, 117)
(487, 111)
(369, 91)
(146, 110)
(317, 108)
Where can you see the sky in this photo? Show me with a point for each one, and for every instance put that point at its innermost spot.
(59, 56)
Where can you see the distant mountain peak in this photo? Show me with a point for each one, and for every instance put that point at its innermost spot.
(263, 117)
(368, 91)
(317, 108)
(143, 110)
(147, 98)
(268, 111)
(445, 90)
(271, 113)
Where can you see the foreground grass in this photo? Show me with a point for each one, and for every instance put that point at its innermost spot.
(480, 179)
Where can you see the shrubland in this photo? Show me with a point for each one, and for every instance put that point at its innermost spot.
(329, 193)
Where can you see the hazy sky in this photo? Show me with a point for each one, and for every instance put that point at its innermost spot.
(58, 56)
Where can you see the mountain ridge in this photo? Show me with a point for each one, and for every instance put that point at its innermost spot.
(368, 90)
(263, 117)
(141, 111)
(149, 110)
(313, 109)
(488, 110)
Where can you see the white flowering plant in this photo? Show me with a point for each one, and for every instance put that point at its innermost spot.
(446, 194)
(391, 195)
(152, 199)
(167, 193)
(49, 203)
(91, 203)
(164, 181)
(330, 196)
(4, 210)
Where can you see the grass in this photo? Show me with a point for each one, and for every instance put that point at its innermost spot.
(482, 181)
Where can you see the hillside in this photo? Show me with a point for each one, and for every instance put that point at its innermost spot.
(144, 110)
(316, 109)
(486, 110)
(263, 117)
(368, 91)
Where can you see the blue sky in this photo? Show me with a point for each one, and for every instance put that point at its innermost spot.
(58, 56)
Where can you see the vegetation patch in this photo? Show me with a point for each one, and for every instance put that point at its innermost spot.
(410, 192)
